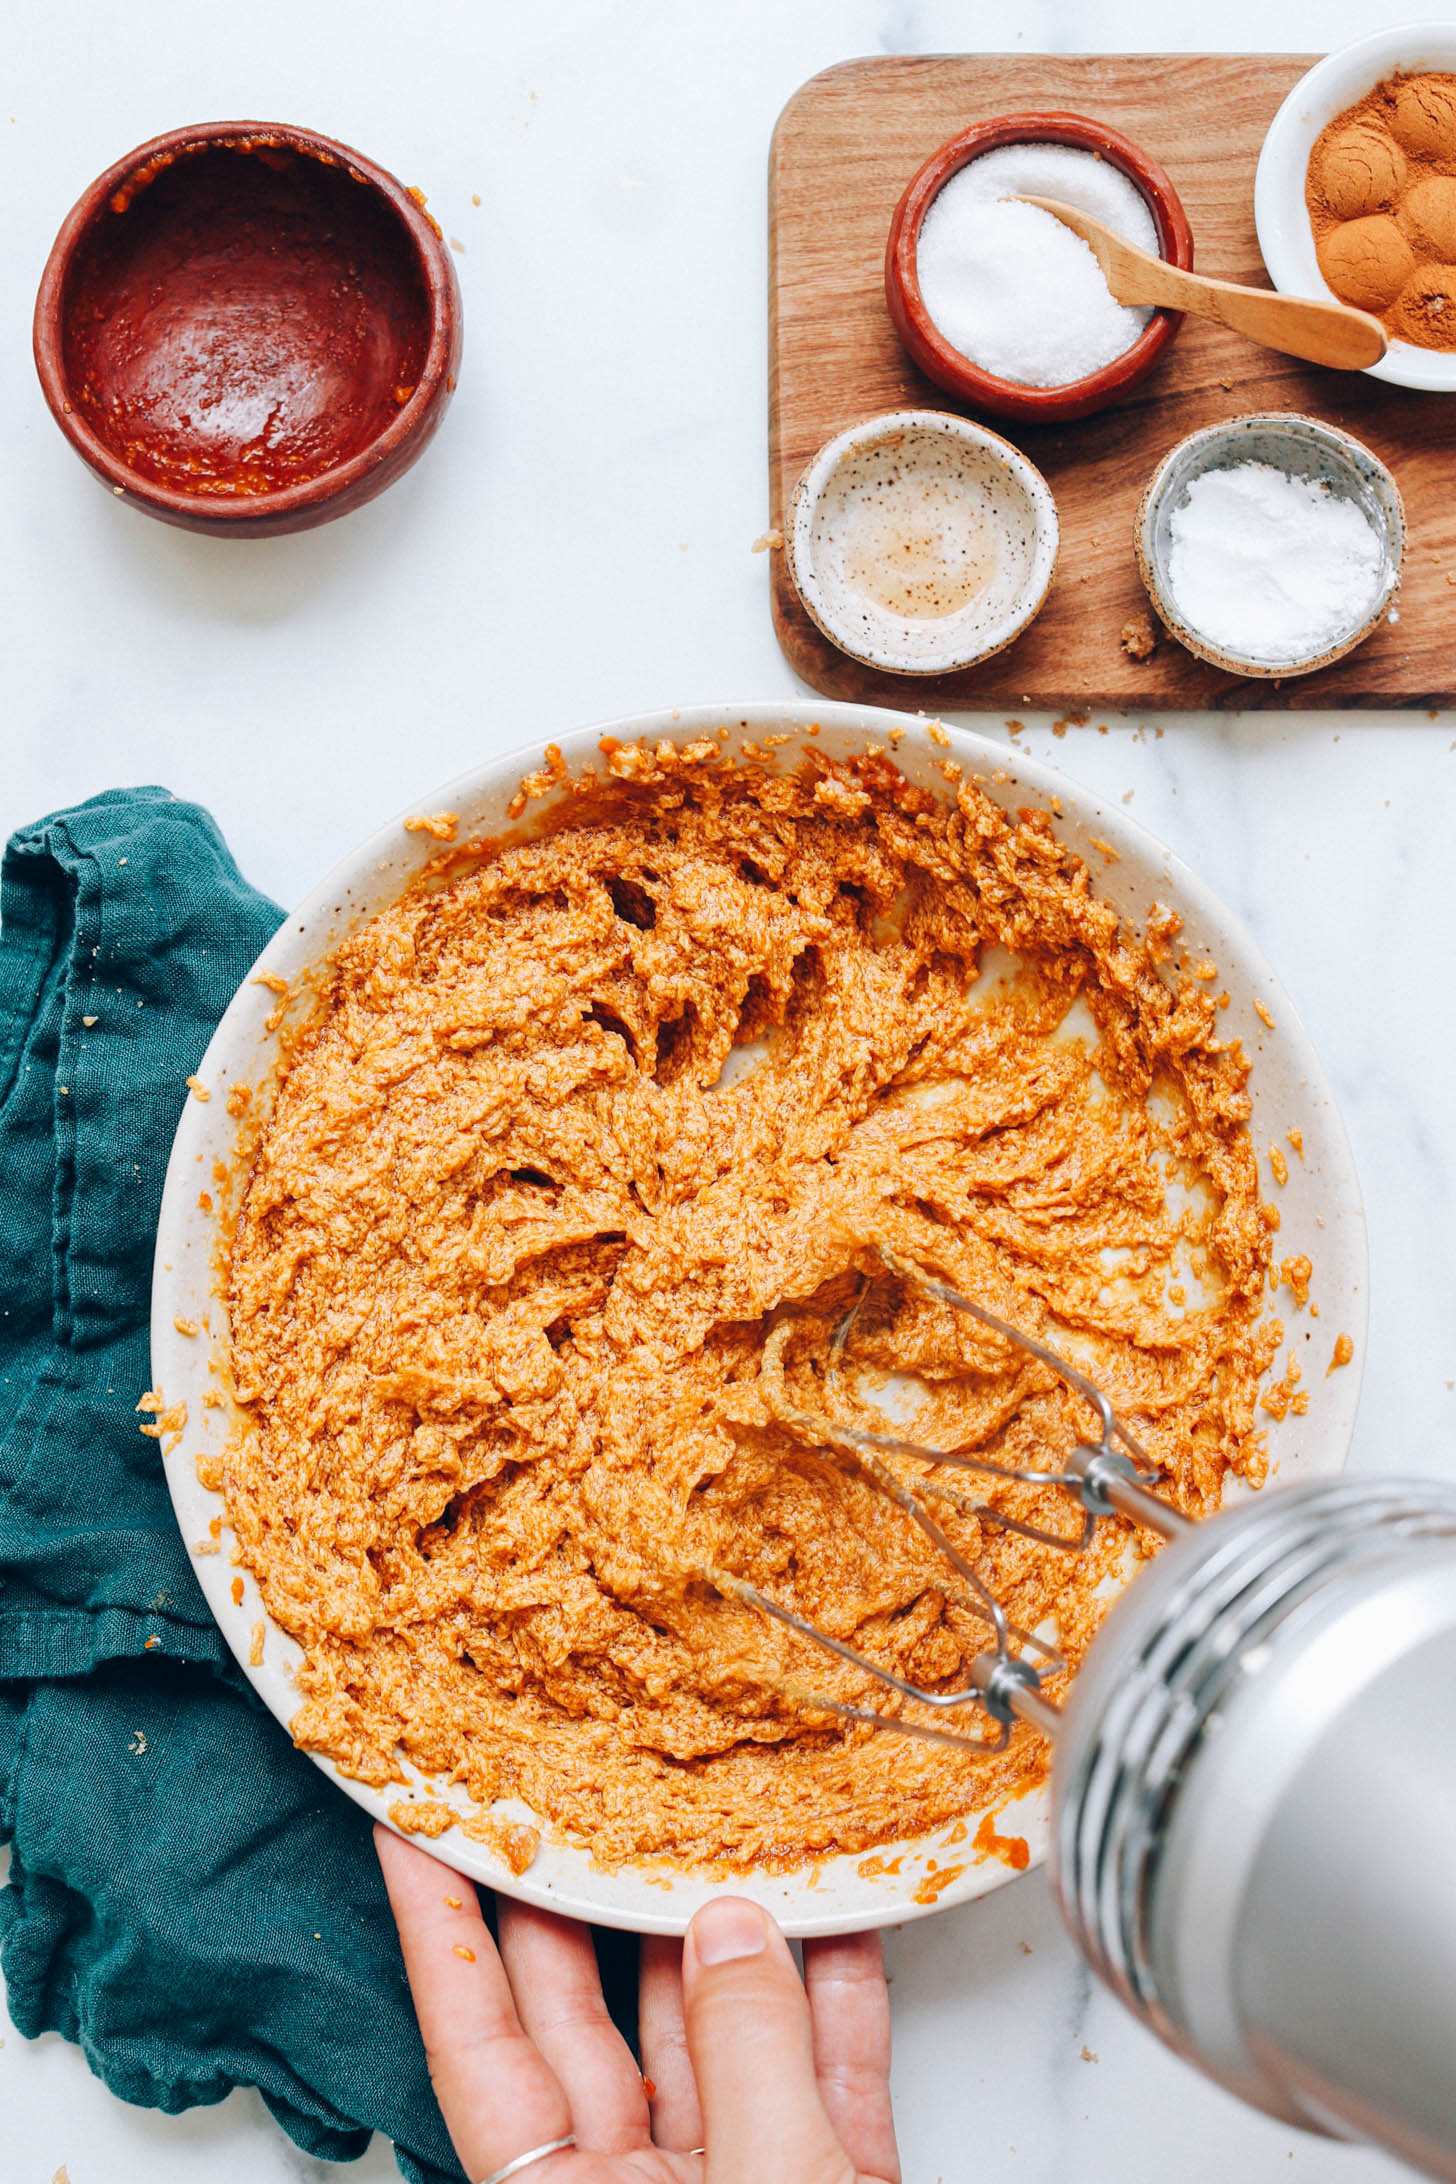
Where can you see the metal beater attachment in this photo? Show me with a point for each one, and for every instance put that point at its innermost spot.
(1101, 1477)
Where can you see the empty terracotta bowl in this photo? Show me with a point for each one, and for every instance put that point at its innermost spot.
(956, 373)
(245, 328)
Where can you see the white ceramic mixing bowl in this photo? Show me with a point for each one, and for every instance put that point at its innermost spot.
(1320, 1208)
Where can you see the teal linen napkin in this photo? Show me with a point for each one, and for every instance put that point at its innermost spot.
(189, 1899)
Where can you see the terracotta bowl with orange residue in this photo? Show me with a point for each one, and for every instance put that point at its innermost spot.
(245, 328)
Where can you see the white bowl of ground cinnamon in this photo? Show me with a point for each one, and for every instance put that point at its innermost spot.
(1355, 194)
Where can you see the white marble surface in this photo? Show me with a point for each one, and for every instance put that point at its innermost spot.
(576, 545)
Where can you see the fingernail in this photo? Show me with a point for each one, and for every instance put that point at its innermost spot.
(728, 1928)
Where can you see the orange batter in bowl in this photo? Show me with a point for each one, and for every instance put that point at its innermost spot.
(584, 1154)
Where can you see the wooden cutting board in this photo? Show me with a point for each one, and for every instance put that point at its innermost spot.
(846, 145)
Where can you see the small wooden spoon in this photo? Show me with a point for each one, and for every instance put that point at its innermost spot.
(1322, 333)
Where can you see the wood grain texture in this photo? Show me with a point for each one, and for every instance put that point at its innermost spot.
(845, 146)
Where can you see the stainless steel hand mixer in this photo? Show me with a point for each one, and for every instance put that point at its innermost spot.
(1218, 1846)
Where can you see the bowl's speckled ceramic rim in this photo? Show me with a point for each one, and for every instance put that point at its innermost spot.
(1133, 871)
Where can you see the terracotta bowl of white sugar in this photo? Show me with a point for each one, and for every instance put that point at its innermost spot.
(1000, 304)
(920, 542)
(1271, 545)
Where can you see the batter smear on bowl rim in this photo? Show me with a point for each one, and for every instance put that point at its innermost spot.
(585, 1153)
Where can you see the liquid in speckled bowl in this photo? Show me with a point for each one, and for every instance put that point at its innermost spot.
(920, 542)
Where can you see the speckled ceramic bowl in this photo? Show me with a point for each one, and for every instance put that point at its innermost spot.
(1304, 447)
(1319, 1205)
(880, 501)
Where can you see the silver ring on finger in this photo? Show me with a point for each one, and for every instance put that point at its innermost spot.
(524, 2161)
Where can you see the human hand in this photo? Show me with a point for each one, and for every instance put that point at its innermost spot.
(772, 2083)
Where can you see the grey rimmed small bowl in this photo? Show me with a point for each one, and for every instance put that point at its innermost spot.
(1303, 447)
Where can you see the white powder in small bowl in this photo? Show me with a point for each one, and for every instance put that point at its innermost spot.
(1012, 288)
(1268, 566)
